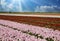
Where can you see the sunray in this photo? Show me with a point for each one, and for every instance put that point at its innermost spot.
(26, 6)
(19, 7)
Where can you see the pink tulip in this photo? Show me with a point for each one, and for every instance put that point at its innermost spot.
(8, 33)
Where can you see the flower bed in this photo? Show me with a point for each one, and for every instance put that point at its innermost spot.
(13, 31)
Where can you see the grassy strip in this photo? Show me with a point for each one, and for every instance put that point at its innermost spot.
(46, 13)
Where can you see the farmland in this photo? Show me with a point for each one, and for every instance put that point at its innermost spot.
(14, 31)
(29, 28)
(38, 21)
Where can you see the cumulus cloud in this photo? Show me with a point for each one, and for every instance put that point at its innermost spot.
(14, 5)
(10, 6)
(3, 2)
(47, 9)
(5, 6)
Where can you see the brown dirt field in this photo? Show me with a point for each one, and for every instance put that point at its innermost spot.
(38, 21)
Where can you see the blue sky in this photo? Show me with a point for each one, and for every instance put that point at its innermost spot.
(29, 5)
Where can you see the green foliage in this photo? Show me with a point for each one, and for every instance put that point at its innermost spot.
(49, 39)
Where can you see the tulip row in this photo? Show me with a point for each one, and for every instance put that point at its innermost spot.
(41, 33)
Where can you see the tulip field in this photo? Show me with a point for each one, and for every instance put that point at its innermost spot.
(14, 31)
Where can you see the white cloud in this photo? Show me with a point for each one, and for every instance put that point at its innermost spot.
(3, 2)
(14, 5)
(10, 6)
(7, 7)
(46, 8)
